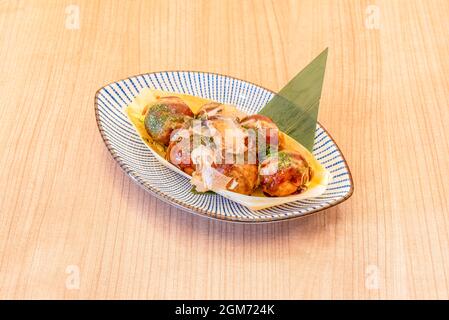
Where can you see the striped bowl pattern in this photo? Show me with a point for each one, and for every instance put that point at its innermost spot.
(137, 161)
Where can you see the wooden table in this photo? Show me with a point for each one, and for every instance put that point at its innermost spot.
(73, 225)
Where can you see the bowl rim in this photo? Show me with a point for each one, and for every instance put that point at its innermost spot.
(136, 178)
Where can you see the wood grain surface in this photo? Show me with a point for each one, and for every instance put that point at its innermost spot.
(73, 225)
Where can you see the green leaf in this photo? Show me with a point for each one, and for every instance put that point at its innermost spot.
(295, 108)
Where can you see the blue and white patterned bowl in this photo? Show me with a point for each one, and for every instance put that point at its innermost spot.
(138, 162)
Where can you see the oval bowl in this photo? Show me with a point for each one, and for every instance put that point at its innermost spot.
(136, 159)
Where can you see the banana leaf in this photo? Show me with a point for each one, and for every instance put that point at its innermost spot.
(295, 108)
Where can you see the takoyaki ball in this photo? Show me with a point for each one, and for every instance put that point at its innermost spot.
(264, 128)
(284, 173)
(179, 149)
(226, 134)
(164, 116)
(210, 110)
(244, 177)
(214, 110)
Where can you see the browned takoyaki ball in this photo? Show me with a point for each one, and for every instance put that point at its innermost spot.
(244, 177)
(265, 130)
(180, 148)
(284, 173)
(214, 110)
(164, 116)
(210, 110)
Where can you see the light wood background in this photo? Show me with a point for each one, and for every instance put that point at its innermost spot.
(67, 209)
